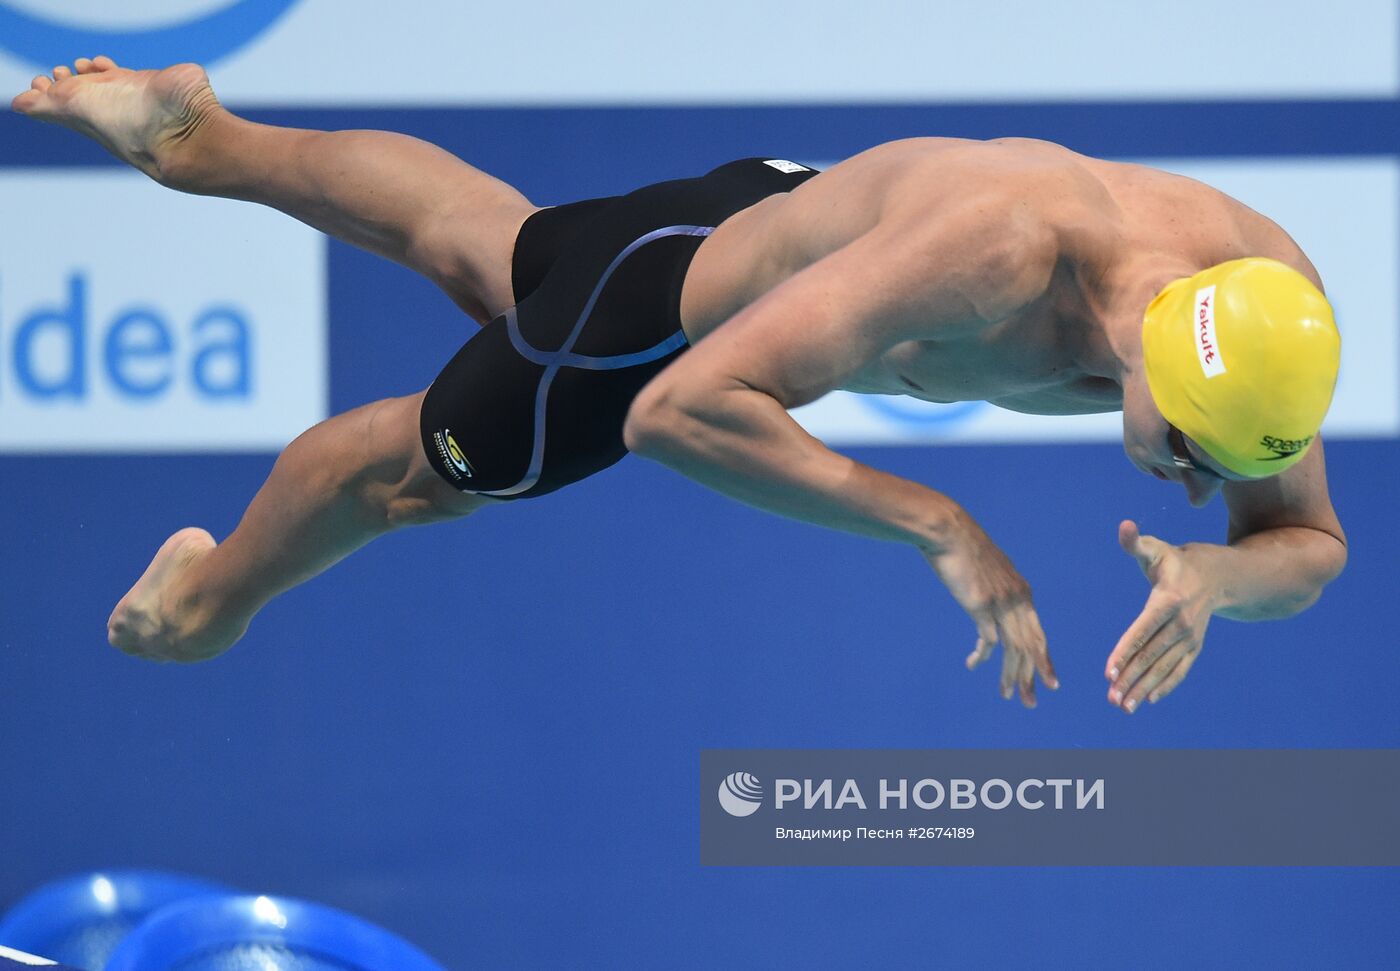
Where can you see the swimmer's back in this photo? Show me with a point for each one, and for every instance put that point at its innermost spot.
(1101, 212)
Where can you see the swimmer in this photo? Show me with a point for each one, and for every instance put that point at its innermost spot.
(682, 320)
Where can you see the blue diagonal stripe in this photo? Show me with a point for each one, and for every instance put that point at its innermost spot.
(554, 361)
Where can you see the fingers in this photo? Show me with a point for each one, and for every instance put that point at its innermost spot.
(1023, 634)
(1024, 656)
(1174, 677)
(998, 599)
(1037, 650)
(1017, 669)
(1147, 550)
(1145, 686)
(1148, 668)
(1010, 673)
(1160, 664)
(1128, 536)
(1023, 677)
(1159, 611)
(980, 653)
(1014, 672)
(1018, 676)
(986, 643)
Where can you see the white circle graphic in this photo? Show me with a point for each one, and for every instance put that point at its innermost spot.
(740, 794)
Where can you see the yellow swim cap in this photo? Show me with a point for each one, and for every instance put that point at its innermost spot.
(1242, 358)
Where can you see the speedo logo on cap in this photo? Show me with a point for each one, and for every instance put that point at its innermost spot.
(1283, 448)
(1203, 331)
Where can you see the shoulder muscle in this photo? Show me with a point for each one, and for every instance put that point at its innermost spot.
(913, 276)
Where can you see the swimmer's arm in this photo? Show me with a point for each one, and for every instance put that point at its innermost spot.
(1283, 547)
(1285, 544)
(719, 414)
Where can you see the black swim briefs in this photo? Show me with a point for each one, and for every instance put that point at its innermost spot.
(537, 399)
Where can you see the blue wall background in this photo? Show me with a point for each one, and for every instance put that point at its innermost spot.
(486, 735)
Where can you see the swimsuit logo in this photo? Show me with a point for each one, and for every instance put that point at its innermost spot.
(786, 167)
(1283, 448)
(454, 452)
(740, 794)
(45, 41)
(1204, 324)
(452, 455)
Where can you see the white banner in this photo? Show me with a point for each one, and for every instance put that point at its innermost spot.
(443, 52)
(133, 318)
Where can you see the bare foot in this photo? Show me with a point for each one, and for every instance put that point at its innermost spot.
(142, 117)
(155, 621)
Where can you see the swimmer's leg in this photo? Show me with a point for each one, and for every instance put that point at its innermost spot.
(338, 486)
(387, 193)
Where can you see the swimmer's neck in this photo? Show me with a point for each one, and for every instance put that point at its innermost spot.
(1111, 341)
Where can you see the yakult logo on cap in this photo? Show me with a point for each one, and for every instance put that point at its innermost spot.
(1203, 327)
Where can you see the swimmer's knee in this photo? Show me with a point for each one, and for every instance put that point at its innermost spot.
(410, 491)
(423, 498)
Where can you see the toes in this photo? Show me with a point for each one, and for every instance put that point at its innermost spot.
(62, 73)
(41, 83)
(103, 63)
(83, 65)
(25, 103)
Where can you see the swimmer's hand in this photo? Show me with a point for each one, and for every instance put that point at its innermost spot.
(981, 578)
(1154, 655)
